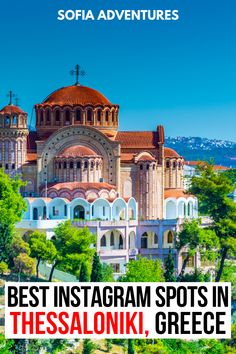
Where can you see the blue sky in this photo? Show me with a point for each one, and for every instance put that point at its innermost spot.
(179, 74)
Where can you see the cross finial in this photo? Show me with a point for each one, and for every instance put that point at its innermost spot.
(17, 100)
(77, 72)
(11, 95)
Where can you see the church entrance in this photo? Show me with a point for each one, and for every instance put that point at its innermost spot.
(79, 212)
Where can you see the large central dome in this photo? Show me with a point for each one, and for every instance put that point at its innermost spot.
(76, 95)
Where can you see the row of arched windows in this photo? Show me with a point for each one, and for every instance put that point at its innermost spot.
(174, 164)
(147, 167)
(77, 164)
(89, 115)
(9, 121)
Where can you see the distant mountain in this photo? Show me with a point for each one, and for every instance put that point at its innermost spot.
(195, 148)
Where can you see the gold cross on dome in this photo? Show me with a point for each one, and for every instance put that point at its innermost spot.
(77, 72)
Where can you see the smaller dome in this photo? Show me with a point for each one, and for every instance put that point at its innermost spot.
(77, 151)
(11, 109)
(146, 157)
(170, 153)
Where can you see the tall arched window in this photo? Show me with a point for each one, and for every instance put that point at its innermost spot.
(167, 164)
(113, 116)
(155, 239)
(78, 164)
(89, 115)
(64, 165)
(103, 241)
(112, 241)
(14, 121)
(121, 242)
(78, 116)
(48, 118)
(107, 116)
(71, 164)
(7, 121)
(57, 116)
(144, 240)
(170, 237)
(174, 165)
(67, 117)
(41, 117)
(99, 115)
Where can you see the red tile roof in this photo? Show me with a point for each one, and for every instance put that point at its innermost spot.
(76, 95)
(168, 152)
(176, 193)
(199, 163)
(77, 151)
(11, 109)
(137, 139)
(81, 185)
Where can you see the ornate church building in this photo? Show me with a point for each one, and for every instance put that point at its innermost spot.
(126, 186)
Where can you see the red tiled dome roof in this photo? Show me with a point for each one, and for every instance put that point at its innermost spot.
(11, 109)
(76, 95)
(77, 151)
(170, 153)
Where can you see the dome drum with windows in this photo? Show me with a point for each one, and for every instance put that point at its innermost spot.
(76, 105)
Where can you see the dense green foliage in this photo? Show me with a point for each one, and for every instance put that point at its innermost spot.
(231, 174)
(212, 190)
(143, 270)
(88, 346)
(73, 246)
(84, 273)
(12, 206)
(96, 275)
(41, 248)
(169, 273)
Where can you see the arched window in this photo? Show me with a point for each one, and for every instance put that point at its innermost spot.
(174, 165)
(144, 240)
(57, 116)
(65, 165)
(7, 121)
(147, 166)
(59, 165)
(103, 241)
(121, 242)
(113, 116)
(41, 117)
(179, 164)
(48, 117)
(67, 117)
(167, 164)
(78, 115)
(112, 241)
(141, 167)
(99, 115)
(97, 165)
(170, 237)
(86, 164)
(92, 165)
(71, 164)
(155, 239)
(89, 115)
(14, 120)
(65, 210)
(78, 164)
(107, 116)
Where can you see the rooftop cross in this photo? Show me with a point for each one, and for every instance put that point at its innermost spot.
(11, 95)
(17, 100)
(77, 72)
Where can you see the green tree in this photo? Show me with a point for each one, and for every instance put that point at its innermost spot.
(73, 246)
(84, 273)
(96, 275)
(131, 347)
(212, 190)
(3, 268)
(41, 249)
(88, 346)
(192, 238)
(231, 174)
(6, 345)
(144, 270)
(12, 207)
(169, 273)
(107, 273)
(24, 264)
(18, 246)
(108, 345)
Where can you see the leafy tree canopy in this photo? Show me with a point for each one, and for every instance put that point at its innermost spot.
(144, 270)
